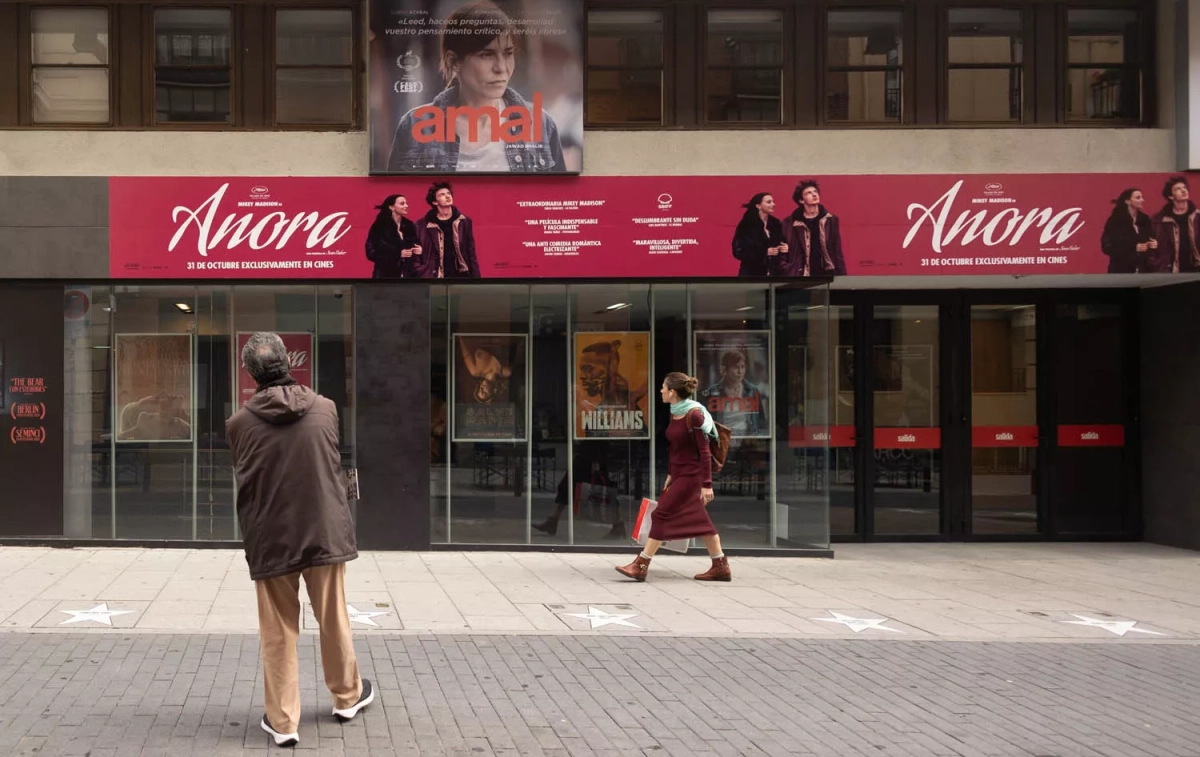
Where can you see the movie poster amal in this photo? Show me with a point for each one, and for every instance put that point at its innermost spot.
(476, 86)
(489, 387)
(734, 371)
(612, 385)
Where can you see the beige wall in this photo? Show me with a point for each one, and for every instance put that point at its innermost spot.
(844, 151)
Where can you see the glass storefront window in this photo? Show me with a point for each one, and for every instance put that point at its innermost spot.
(548, 427)
(151, 375)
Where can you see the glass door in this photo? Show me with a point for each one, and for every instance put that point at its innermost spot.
(1092, 482)
(1004, 436)
(904, 374)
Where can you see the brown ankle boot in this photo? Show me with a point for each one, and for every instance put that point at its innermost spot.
(718, 572)
(636, 569)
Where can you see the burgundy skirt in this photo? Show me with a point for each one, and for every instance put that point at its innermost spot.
(681, 513)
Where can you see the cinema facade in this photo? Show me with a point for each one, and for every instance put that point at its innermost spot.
(950, 348)
(969, 370)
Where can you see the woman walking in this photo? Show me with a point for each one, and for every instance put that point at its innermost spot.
(681, 512)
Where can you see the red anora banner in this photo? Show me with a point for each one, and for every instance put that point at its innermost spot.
(615, 227)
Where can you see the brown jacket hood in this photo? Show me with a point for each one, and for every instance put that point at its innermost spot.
(280, 405)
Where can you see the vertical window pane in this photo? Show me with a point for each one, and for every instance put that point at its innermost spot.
(70, 95)
(984, 35)
(192, 37)
(625, 38)
(985, 94)
(744, 95)
(623, 97)
(1104, 93)
(314, 96)
(69, 36)
(745, 38)
(865, 38)
(1102, 36)
(862, 96)
(314, 37)
(192, 76)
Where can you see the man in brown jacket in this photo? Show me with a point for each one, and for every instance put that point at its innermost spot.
(295, 521)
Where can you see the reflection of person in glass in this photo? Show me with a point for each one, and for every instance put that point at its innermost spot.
(490, 374)
(734, 401)
(1177, 231)
(814, 235)
(160, 417)
(478, 124)
(601, 379)
(758, 240)
(447, 237)
(589, 466)
(1128, 234)
(392, 241)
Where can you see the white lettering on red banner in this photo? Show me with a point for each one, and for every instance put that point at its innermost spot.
(323, 231)
(1056, 227)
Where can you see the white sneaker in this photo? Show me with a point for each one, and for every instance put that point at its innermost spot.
(364, 699)
(281, 739)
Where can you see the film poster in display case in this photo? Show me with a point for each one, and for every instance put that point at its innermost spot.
(734, 371)
(612, 385)
(154, 387)
(489, 387)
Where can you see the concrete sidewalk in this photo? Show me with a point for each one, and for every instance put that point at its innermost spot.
(1025, 592)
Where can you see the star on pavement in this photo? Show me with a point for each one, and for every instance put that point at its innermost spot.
(1118, 627)
(100, 614)
(600, 618)
(358, 616)
(858, 624)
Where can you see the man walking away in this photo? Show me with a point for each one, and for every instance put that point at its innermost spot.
(295, 521)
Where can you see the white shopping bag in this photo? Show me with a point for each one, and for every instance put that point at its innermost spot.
(641, 528)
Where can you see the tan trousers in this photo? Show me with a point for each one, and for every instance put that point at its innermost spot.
(279, 627)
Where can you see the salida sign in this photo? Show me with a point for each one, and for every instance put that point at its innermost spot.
(617, 227)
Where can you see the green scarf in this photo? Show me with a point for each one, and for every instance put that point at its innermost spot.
(683, 407)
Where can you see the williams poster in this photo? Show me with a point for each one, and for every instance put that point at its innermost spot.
(489, 387)
(154, 387)
(734, 371)
(299, 346)
(476, 86)
(612, 385)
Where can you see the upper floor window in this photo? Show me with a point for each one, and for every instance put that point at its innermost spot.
(864, 58)
(984, 53)
(69, 76)
(625, 67)
(192, 65)
(1104, 55)
(314, 66)
(744, 66)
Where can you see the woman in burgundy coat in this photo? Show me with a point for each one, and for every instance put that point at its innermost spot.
(681, 511)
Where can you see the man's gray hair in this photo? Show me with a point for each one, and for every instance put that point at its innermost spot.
(265, 357)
